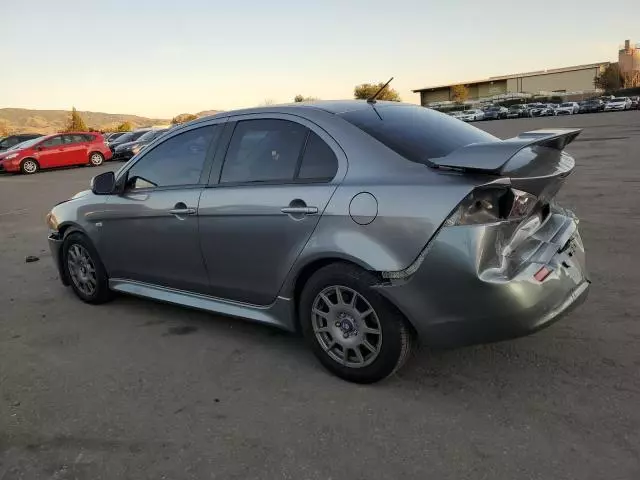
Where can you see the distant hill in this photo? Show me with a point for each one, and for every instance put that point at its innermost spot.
(51, 121)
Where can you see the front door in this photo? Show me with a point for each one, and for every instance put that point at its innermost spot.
(275, 182)
(150, 231)
(51, 152)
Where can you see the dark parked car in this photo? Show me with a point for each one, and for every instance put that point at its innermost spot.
(111, 137)
(495, 112)
(125, 151)
(365, 225)
(592, 106)
(517, 111)
(12, 140)
(127, 137)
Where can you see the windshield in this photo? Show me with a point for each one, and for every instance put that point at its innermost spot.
(416, 133)
(567, 105)
(137, 135)
(516, 107)
(148, 136)
(127, 137)
(619, 99)
(26, 144)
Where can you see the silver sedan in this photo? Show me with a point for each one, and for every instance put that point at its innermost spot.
(366, 225)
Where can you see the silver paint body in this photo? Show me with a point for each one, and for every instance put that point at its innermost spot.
(240, 255)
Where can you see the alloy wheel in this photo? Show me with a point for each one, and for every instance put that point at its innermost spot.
(82, 269)
(346, 326)
(29, 166)
(96, 159)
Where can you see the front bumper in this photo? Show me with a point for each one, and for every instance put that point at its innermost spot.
(55, 245)
(476, 283)
(122, 155)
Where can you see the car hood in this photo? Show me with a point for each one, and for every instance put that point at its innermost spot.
(128, 145)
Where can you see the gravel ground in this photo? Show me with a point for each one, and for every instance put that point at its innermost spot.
(137, 389)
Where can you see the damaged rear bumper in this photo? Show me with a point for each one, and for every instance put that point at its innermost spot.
(477, 284)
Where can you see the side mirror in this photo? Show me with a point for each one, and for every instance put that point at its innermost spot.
(103, 184)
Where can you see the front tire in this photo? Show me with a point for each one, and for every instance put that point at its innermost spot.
(29, 166)
(354, 331)
(96, 159)
(84, 269)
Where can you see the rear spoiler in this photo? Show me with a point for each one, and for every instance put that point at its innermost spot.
(491, 157)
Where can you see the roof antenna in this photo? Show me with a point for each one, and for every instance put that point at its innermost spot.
(372, 98)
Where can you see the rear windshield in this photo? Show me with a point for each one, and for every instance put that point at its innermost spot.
(416, 133)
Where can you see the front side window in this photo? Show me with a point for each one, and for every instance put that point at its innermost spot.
(53, 142)
(263, 151)
(176, 161)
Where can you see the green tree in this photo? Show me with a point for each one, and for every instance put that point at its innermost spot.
(367, 90)
(610, 79)
(124, 127)
(299, 98)
(75, 123)
(459, 93)
(182, 118)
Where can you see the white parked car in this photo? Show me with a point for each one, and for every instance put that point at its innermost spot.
(456, 114)
(568, 108)
(472, 115)
(618, 103)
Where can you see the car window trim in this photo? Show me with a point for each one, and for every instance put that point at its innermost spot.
(204, 175)
(216, 172)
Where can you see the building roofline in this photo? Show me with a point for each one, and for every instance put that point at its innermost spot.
(517, 75)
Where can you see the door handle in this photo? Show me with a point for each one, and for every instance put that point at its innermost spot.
(300, 210)
(182, 211)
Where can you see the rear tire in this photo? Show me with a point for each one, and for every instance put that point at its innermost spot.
(29, 166)
(96, 159)
(85, 270)
(353, 330)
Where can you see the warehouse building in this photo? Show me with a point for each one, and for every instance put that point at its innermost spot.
(558, 80)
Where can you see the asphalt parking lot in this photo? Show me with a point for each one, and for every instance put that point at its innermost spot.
(136, 389)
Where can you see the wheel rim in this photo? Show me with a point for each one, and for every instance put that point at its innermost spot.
(30, 166)
(346, 326)
(96, 159)
(82, 269)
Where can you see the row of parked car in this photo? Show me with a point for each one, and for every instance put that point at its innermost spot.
(28, 153)
(497, 112)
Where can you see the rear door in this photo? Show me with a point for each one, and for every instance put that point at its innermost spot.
(263, 202)
(75, 149)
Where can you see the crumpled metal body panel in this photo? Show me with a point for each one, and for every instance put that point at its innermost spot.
(476, 283)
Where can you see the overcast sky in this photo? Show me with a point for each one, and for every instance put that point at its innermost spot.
(160, 58)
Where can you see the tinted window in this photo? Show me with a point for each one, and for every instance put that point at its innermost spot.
(263, 151)
(73, 139)
(89, 138)
(10, 142)
(416, 133)
(319, 162)
(177, 161)
(52, 142)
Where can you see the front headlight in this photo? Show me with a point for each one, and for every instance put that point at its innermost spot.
(9, 157)
(52, 221)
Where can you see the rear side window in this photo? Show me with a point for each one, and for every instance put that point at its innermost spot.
(319, 163)
(416, 133)
(176, 161)
(263, 151)
(89, 138)
(74, 139)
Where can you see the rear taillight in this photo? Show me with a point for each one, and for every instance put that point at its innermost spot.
(491, 205)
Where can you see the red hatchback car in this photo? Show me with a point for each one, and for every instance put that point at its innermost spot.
(57, 150)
